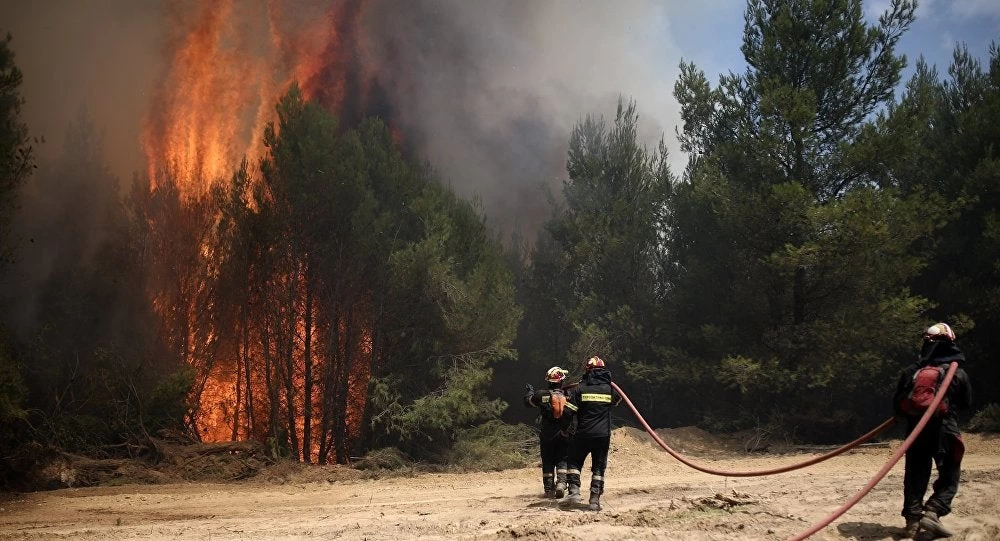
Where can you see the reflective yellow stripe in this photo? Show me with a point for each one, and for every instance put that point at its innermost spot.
(595, 397)
(571, 406)
(546, 398)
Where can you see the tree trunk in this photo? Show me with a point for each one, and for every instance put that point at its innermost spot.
(290, 317)
(236, 408)
(307, 372)
(248, 384)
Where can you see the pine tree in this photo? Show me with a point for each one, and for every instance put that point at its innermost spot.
(789, 263)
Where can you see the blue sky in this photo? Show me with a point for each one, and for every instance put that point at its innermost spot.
(709, 32)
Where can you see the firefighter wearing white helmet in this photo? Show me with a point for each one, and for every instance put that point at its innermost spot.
(940, 442)
(556, 420)
(593, 398)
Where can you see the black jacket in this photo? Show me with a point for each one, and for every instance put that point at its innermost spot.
(551, 427)
(959, 395)
(593, 399)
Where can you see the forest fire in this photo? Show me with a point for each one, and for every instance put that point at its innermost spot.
(224, 77)
(260, 355)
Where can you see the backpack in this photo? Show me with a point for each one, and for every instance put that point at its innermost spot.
(558, 402)
(921, 390)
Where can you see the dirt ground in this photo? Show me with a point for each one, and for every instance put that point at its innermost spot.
(648, 496)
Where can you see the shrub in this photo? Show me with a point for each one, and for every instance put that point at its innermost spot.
(986, 419)
(385, 458)
(493, 446)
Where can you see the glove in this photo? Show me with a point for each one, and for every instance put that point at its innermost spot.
(529, 393)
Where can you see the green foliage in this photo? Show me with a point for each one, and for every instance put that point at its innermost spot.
(429, 425)
(944, 152)
(494, 446)
(168, 401)
(986, 419)
(399, 277)
(592, 281)
(789, 268)
(776, 281)
(16, 154)
(384, 458)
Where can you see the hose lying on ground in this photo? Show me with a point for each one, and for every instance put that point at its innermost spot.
(815, 460)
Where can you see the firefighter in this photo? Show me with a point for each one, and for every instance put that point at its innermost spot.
(940, 442)
(593, 399)
(556, 429)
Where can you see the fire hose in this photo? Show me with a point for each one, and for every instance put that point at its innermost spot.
(684, 460)
(869, 435)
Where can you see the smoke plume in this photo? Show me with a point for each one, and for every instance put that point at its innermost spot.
(487, 92)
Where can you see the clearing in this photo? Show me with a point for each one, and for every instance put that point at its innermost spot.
(648, 496)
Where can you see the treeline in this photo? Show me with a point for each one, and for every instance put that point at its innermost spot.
(342, 299)
(335, 297)
(330, 299)
(820, 225)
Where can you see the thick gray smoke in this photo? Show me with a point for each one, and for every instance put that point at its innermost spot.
(487, 91)
(491, 90)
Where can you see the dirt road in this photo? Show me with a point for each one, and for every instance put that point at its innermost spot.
(648, 496)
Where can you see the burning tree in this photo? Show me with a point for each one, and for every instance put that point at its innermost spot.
(326, 261)
(332, 265)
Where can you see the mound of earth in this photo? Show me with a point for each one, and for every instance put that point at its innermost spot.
(635, 443)
(47, 468)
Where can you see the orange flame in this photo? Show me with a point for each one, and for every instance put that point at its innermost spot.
(227, 66)
(224, 77)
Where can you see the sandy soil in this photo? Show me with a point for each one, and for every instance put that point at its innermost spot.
(648, 496)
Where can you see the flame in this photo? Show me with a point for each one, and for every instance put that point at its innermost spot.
(224, 76)
(228, 63)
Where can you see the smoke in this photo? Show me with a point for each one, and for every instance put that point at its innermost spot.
(486, 91)
(102, 55)
(489, 91)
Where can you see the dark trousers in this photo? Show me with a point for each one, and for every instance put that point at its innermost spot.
(554, 457)
(945, 451)
(597, 448)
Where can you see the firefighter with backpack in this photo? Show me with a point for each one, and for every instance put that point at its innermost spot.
(556, 429)
(940, 443)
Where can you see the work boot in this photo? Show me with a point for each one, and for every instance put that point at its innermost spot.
(912, 527)
(932, 524)
(573, 498)
(596, 489)
(595, 502)
(560, 482)
(549, 484)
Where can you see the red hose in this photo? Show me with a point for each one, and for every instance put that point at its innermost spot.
(815, 460)
(888, 465)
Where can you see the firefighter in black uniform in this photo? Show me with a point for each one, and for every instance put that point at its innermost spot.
(593, 398)
(940, 442)
(556, 430)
